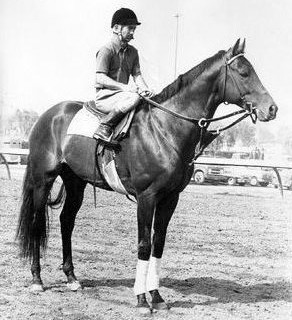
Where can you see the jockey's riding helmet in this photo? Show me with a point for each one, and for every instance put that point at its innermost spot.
(124, 17)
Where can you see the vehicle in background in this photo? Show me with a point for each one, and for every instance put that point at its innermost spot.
(217, 173)
(259, 176)
(232, 175)
(255, 175)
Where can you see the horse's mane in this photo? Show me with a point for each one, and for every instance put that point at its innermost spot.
(184, 79)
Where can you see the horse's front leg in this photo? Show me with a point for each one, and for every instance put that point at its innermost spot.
(145, 211)
(163, 214)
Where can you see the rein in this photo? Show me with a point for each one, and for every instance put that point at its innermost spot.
(202, 122)
(249, 110)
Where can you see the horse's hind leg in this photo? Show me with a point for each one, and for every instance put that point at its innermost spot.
(40, 196)
(32, 228)
(74, 196)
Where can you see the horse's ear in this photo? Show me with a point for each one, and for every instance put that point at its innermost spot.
(241, 47)
(236, 49)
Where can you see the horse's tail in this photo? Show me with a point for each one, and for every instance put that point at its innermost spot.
(33, 224)
(59, 200)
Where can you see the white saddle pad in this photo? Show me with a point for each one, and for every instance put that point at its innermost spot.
(84, 123)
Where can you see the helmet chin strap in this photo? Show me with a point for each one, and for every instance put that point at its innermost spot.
(123, 43)
(119, 34)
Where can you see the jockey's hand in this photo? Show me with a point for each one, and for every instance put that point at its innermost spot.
(148, 93)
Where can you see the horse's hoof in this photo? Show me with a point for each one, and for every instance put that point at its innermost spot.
(159, 306)
(36, 288)
(74, 286)
(143, 306)
(157, 302)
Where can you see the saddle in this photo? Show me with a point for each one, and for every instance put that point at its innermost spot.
(85, 123)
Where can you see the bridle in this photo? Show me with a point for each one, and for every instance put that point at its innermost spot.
(246, 105)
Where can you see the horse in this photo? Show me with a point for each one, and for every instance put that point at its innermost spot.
(154, 162)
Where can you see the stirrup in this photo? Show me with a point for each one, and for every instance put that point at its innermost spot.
(102, 137)
(111, 144)
(107, 141)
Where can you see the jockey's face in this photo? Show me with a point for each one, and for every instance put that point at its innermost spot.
(126, 33)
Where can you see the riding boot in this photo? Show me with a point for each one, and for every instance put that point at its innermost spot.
(105, 130)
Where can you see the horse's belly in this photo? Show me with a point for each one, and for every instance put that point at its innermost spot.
(80, 154)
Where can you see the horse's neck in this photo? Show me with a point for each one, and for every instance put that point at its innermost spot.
(197, 100)
(195, 103)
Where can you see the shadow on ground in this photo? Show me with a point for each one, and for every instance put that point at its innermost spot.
(221, 291)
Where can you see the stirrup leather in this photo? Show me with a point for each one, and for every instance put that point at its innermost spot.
(104, 132)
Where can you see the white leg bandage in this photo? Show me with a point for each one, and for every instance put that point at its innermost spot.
(152, 281)
(141, 275)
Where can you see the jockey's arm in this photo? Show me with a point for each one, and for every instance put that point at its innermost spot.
(142, 86)
(101, 79)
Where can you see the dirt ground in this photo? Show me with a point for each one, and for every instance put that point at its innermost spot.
(227, 256)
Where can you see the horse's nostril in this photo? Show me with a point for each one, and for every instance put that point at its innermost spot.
(273, 109)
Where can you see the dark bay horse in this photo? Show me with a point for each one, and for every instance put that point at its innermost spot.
(153, 162)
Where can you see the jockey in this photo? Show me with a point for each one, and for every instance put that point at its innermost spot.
(115, 62)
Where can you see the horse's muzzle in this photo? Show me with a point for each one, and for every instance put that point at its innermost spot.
(267, 115)
(273, 112)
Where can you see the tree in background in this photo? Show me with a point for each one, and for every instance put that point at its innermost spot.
(247, 134)
(244, 131)
(21, 122)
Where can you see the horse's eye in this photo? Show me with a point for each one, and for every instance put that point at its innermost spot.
(244, 73)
